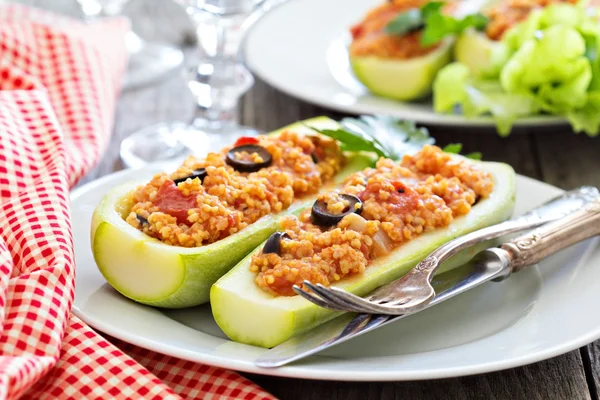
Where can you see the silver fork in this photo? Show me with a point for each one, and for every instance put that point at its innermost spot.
(414, 291)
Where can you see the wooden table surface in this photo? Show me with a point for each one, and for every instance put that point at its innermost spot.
(558, 157)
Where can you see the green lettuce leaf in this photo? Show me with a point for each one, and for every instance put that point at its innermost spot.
(587, 118)
(549, 63)
(566, 15)
(552, 68)
(455, 87)
(449, 87)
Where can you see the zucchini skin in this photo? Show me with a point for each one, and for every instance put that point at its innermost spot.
(475, 50)
(402, 80)
(251, 316)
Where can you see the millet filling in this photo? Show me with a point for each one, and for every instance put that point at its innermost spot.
(400, 201)
(207, 199)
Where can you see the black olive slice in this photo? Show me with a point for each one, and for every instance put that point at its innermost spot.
(273, 243)
(321, 217)
(141, 219)
(199, 173)
(248, 166)
(314, 158)
(401, 190)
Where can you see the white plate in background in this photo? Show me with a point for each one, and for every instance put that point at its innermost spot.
(300, 48)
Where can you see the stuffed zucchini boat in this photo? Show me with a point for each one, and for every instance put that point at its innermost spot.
(165, 242)
(396, 65)
(368, 232)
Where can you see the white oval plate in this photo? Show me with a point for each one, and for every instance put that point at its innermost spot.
(299, 47)
(535, 314)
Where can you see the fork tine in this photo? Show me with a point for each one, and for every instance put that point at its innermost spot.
(340, 300)
(393, 308)
(327, 295)
(315, 299)
(357, 303)
(406, 307)
(371, 303)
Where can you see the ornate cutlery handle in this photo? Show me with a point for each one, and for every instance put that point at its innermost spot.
(554, 236)
(553, 209)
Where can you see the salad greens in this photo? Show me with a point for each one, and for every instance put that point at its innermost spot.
(436, 26)
(547, 64)
(385, 136)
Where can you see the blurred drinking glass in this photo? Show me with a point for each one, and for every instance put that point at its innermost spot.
(217, 80)
(148, 62)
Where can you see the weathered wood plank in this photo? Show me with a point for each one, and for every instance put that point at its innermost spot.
(558, 378)
(592, 353)
(568, 160)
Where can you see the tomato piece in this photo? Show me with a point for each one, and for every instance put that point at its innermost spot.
(356, 31)
(245, 140)
(402, 200)
(319, 153)
(170, 200)
(283, 287)
(365, 250)
(399, 186)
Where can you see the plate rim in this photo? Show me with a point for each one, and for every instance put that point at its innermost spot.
(434, 119)
(303, 370)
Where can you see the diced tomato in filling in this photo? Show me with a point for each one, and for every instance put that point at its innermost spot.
(170, 200)
(245, 140)
(402, 200)
(231, 220)
(356, 31)
(282, 286)
(319, 153)
(365, 250)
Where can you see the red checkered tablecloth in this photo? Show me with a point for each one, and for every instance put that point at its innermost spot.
(59, 81)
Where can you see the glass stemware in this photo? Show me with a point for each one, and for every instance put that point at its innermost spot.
(217, 81)
(148, 62)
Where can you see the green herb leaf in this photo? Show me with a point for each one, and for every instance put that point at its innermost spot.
(453, 148)
(477, 21)
(436, 26)
(350, 141)
(431, 8)
(385, 136)
(474, 156)
(405, 22)
(456, 148)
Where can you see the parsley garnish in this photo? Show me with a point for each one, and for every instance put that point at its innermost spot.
(406, 22)
(436, 26)
(385, 136)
